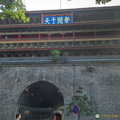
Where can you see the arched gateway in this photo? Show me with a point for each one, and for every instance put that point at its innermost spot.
(39, 100)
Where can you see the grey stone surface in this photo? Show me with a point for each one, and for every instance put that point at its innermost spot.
(101, 85)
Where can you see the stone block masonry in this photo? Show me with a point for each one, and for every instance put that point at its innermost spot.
(101, 85)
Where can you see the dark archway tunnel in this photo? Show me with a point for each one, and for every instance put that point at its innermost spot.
(41, 94)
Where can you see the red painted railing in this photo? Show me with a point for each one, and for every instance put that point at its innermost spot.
(55, 38)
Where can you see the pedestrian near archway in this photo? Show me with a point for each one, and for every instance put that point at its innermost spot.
(18, 116)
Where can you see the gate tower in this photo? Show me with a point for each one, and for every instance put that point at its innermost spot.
(82, 32)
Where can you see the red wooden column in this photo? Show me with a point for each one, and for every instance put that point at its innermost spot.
(19, 37)
(95, 34)
(73, 35)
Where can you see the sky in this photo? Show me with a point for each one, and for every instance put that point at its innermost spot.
(35, 5)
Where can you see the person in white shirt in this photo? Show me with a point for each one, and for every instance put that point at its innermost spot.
(18, 116)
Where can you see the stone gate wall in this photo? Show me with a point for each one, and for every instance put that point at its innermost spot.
(100, 82)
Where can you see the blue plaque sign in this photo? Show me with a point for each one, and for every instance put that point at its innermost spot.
(57, 19)
(76, 109)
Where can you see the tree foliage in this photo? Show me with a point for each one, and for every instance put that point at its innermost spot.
(14, 9)
(55, 54)
(102, 1)
(82, 101)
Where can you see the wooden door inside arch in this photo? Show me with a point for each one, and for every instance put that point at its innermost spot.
(37, 113)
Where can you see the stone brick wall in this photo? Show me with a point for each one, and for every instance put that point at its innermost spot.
(101, 84)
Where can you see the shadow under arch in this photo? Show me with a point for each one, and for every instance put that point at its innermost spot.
(39, 100)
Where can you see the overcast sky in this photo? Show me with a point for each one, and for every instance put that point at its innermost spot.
(65, 4)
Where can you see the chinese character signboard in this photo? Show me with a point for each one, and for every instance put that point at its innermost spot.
(57, 19)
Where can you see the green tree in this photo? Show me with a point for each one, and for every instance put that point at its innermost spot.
(82, 101)
(14, 9)
(55, 54)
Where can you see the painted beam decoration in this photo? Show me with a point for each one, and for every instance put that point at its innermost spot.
(57, 18)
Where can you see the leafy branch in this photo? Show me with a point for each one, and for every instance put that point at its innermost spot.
(102, 1)
(82, 101)
(14, 9)
(56, 56)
